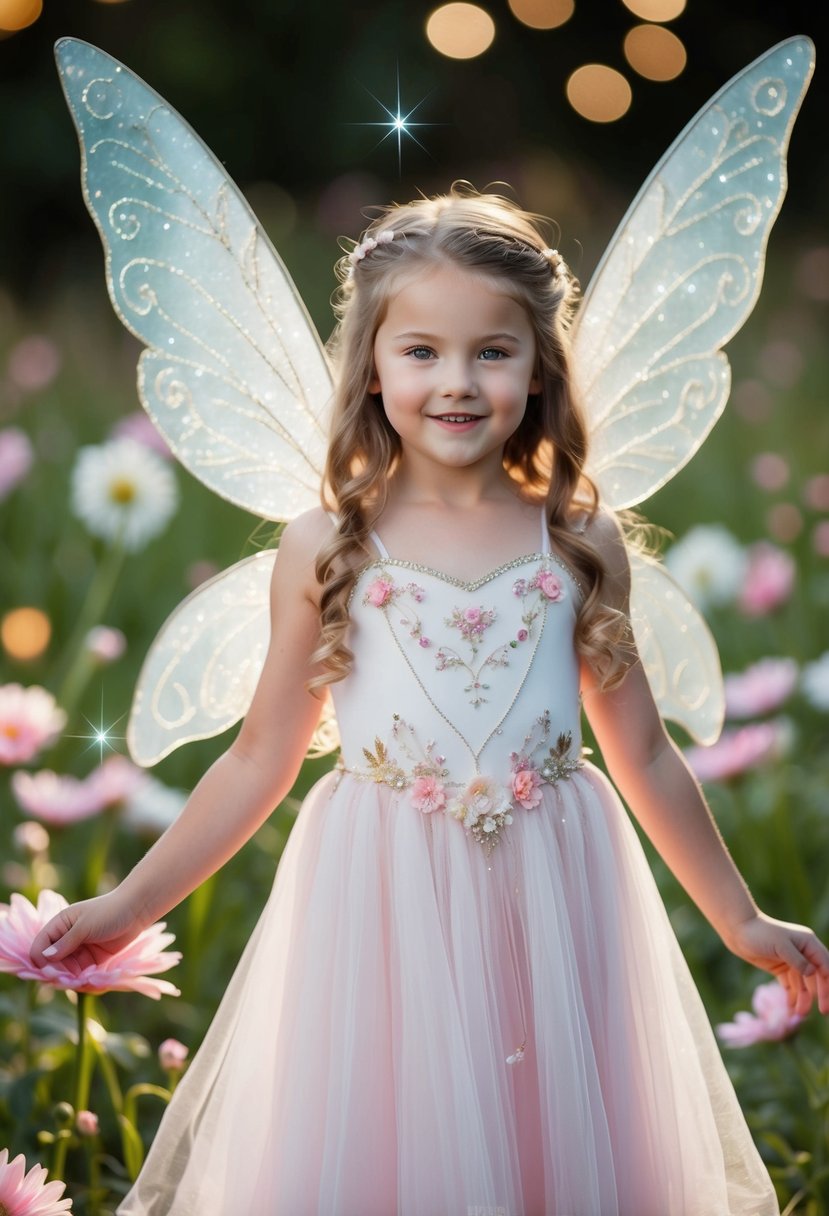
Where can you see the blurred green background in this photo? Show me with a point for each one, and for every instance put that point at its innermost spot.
(285, 93)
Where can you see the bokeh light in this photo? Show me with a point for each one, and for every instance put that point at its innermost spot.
(25, 633)
(655, 10)
(17, 14)
(460, 31)
(654, 52)
(812, 273)
(599, 93)
(543, 14)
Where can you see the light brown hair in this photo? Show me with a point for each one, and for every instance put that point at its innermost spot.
(489, 235)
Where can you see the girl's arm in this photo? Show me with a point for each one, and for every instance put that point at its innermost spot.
(654, 779)
(237, 793)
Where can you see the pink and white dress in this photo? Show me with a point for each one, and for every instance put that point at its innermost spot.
(464, 996)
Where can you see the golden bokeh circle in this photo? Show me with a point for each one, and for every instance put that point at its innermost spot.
(655, 53)
(17, 14)
(460, 31)
(543, 14)
(25, 633)
(599, 93)
(655, 10)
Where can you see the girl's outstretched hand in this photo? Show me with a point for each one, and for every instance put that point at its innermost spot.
(792, 953)
(86, 933)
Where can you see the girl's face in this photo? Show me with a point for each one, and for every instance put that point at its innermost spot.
(455, 361)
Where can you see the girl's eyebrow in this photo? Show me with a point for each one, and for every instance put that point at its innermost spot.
(412, 335)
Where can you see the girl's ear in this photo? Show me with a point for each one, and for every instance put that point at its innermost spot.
(374, 384)
(535, 385)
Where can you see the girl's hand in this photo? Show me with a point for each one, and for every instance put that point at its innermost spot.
(86, 933)
(792, 953)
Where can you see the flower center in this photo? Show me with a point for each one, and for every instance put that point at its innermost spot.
(11, 731)
(122, 491)
(4, 1211)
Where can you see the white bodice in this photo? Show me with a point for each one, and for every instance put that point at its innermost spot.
(472, 674)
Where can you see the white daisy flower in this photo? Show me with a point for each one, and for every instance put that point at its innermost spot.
(709, 563)
(123, 490)
(814, 682)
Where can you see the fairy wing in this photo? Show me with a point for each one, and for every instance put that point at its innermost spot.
(679, 278)
(234, 374)
(200, 673)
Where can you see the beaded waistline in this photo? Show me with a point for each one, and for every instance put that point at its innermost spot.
(484, 806)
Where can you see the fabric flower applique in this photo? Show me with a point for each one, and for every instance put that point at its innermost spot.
(484, 808)
(383, 592)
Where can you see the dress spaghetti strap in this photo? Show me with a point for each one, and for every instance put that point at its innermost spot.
(381, 548)
(545, 533)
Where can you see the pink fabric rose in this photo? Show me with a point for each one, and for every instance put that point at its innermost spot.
(522, 635)
(549, 585)
(428, 794)
(379, 592)
(473, 616)
(526, 788)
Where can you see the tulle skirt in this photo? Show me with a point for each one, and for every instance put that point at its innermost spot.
(357, 1065)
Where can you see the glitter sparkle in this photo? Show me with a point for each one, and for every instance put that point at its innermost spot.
(101, 736)
(398, 123)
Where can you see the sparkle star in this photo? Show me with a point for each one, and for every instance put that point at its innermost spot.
(101, 736)
(398, 123)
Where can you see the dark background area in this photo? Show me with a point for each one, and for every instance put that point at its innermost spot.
(281, 91)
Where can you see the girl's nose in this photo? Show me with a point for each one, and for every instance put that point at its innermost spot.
(458, 381)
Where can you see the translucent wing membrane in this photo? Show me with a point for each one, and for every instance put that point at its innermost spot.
(680, 277)
(234, 375)
(201, 671)
(678, 652)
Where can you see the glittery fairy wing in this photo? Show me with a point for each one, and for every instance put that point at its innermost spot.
(678, 279)
(201, 671)
(234, 374)
(677, 650)
(199, 675)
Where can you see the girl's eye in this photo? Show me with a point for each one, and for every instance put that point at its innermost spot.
(491, 353)
(420, 352)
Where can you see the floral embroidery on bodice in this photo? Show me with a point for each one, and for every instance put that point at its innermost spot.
(463, 696)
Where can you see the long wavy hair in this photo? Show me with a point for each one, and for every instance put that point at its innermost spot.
(491, 236)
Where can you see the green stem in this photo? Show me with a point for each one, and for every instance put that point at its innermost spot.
(80, 665)
(98, 854)
(83, 1078)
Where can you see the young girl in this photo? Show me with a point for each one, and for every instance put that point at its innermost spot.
(464, 996)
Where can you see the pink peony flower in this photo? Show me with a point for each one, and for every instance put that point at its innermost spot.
(768, 579)
(63, 800)
(15, 459)
(473, 616)
(735, 751)
(428, 794)
(29, 719)
(126, 970)
(172, 1055)
(771, 1021)
(761, 688)
(526, 788)
(23, 1194)
(379, 592)
(86, 1123)
(549, 584)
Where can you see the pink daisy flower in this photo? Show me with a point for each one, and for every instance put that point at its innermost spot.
(126, 970)
(23, 1194)
(172, 1055)
(62, 800)
(428, 794)
(29, 719)
(736, 751)
(761, 688)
